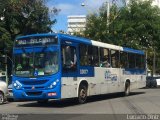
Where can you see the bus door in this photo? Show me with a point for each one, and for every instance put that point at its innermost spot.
(113, 73)
(69, 70)
(113, 80)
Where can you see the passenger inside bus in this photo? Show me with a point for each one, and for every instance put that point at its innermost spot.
(69, 57)
(105, 64)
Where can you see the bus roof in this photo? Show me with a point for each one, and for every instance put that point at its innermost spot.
(87, 41)
(100, 44)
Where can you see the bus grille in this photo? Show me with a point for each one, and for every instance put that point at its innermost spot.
(37, 87)
(33, 93)
(38, 82)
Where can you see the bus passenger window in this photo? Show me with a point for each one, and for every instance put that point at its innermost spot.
(95, 56)
(69, 57)
(123, 59)
(138, 61)
(83, 55)
(90, 56)
(143, 62)
(132, 60)
(115, 58)
(104, 58)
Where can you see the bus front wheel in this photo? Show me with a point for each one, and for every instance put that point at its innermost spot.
(82, 94)
(1, 97)
(127, 89)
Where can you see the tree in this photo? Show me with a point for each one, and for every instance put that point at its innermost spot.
(97, 27)
(136, 25)
(21, 17)
(139, 26)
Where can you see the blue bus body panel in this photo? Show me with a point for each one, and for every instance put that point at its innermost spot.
(62, 37)
(74, 39)
(35, 49)
(128, 71)
(40, 85)
(86, 71)
(82, 71)
(130, 50)
(36, 35)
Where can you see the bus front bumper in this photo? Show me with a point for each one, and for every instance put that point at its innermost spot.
(35, 95)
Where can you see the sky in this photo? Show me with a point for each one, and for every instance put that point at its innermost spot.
(72, 7)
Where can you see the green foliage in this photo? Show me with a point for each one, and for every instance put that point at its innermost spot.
(136, 25)
(139, 23)
(21, 17)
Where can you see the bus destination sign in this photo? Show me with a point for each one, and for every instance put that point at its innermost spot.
(36, 41)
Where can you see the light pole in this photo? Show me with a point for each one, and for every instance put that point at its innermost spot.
(154, 61)
(108, 12)
(84, 5)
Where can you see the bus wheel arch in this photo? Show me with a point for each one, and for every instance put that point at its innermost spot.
(82, 91)
(127, 88)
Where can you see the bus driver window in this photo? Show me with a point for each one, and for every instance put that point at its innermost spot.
(69, 57)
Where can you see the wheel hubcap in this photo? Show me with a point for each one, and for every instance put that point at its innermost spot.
(82, 94)
(1, 98)
(127, 90)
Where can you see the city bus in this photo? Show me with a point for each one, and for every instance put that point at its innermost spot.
(60, 66)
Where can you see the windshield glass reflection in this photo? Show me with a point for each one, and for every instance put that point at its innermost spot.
(36, 64)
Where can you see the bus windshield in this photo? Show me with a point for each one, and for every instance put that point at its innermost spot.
(34, 64)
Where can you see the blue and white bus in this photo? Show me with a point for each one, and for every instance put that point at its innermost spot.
(59, 66)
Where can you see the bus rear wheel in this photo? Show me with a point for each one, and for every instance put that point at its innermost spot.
(82, 94)
(127, 89)
(1, 98)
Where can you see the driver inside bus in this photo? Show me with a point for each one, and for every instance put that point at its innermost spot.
(70, 57)
(74, 60)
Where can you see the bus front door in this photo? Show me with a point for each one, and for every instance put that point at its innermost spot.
(69, 71)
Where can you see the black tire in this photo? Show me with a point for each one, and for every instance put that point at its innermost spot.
(1, 98)
(42, 101)
(82, 94)
(10, 100)
(127, 89)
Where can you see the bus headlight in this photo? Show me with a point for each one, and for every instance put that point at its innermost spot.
(53, 84)
(17, 85)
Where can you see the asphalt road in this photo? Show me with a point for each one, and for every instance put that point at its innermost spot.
(144, 102)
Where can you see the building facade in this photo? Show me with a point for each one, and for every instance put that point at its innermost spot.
(76, 23)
